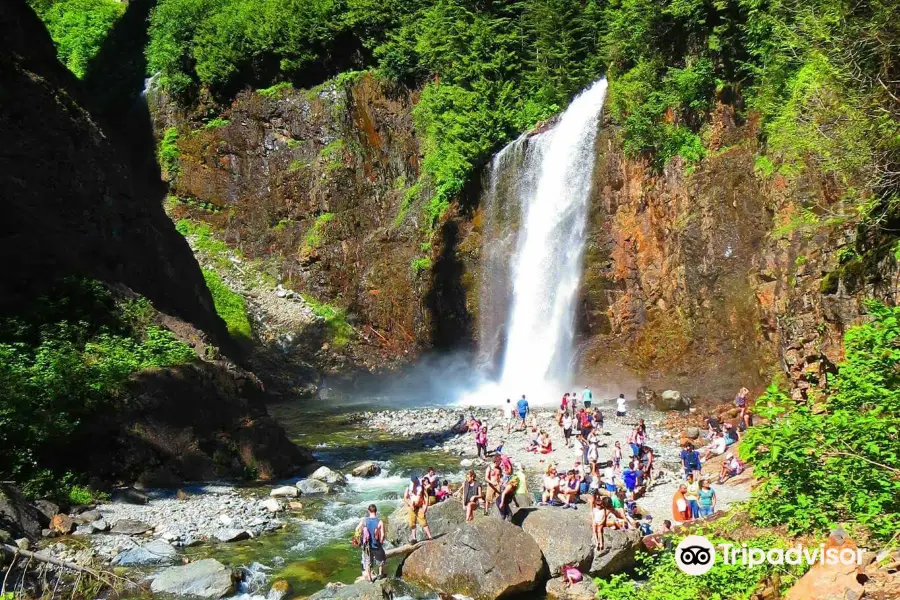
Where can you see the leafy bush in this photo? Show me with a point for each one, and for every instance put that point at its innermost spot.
(229, 305)
(335, 318)
(836, 460)
(419, 265)
(663, 580)
(78, 28)
(168, 153)
(63, 361)
(316, 234)
(216, 123)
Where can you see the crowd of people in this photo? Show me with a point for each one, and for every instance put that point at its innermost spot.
(607, 486)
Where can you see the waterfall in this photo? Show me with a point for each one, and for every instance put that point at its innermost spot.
(536, 206)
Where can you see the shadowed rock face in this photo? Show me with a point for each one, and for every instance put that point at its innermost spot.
(70, 201)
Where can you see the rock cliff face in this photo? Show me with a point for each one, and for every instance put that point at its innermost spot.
(722, 275)
(706, 277)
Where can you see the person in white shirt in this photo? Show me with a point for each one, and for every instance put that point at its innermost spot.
(716, 448)
(567, 429)
(620, 405)
(509, 414)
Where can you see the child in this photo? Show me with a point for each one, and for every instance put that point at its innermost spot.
(571, 574)
(444, 491)
(481, 441)
(617, 457)
(646, 525)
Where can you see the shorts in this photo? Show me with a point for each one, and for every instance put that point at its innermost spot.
(620, 413)
(567, 433)
(521, 416)
(374, 556)
(611, 487)
(417, 515)
(706, 511)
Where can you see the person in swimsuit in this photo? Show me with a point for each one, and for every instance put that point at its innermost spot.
(492, 476)
(602, 516)
(509, 485)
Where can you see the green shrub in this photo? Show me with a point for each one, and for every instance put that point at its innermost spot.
(275, 90)
(316, 234)
(339, 329)
(216, 123)
(204, 240)
(835, 460)
(63, 362)
(421, 264)
(229, 305)
(78, 28)
(168, 153)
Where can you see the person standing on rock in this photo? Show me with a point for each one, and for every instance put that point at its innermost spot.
(620, 406)
(567, 428)
(522, 408)
(707, 499)
(508, 414)
(587, 396)
(681, 510)
(492, 476)
(417, 503)
(371, 529)
(481, 442)
(509, 486)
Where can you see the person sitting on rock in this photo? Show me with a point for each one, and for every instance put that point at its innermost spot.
(731, 433)
(371, 532)
(444, 491)
(544, 446)
(416, 501)
(730, 467)
(715, 448)
(646, 525)
(550, 490)
(712, 427)
(471, 495)
(571, 574)
(568, 490)
(509, 487)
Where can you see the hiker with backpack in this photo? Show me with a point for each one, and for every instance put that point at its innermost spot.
(370, 537)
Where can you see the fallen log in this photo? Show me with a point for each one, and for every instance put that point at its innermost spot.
(13, 550)
(408, 549)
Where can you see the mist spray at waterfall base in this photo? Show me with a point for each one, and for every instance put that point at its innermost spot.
(531, 289)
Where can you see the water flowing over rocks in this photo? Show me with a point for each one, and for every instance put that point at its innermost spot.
(485, 560)
(365, 469)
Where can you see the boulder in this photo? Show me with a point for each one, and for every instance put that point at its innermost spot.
(564, 536)
(46, 508)
(62, 523)
(232, 535)
(129, 495)
(646, 396)
(285, 491)
(154, 552)
(328, 476)
(557, 590)
(271, 504)
(620, 549)
(313, 486)
(130, 527)
(692, 433)
(280, 588)
(207, 578)
(18, 516)
(442, 518)
(466, 463)
(829, 582)
(363, 590)
(499, 560)
(365, 469)
(88, 516)
(671, 400)
(99, 525)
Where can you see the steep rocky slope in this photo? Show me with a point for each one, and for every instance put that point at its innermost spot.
(74, 209)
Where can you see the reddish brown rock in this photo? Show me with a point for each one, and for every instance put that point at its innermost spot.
(829, 582)
(62, 524)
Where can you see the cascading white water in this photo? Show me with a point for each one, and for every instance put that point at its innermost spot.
(548, 177)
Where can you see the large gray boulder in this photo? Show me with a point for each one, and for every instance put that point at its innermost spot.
(365, 469)
(207, 578)
(442, 517)
(484, 560)
(671, 400)
(309, 487)
(620, 548)
(130, 527)
(364, 590)
(154, 552)
(328, 476)
(18, 517)
(557, 590)
(564, 536)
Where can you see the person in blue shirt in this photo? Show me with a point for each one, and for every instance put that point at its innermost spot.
(629, 477)
(371, 532)
(587, 396)
(522, 407)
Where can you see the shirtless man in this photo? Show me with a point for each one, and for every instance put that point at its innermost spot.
(492, 476)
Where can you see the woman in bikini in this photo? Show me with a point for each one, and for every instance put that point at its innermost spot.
(602, 516)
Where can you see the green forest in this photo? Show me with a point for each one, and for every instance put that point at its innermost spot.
(820, 78)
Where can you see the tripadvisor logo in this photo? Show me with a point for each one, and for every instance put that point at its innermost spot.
(696, 555)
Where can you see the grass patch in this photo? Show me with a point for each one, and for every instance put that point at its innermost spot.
(332, 155)
(168, 153)
(275, 90)
(410, 197)
(420, 264)
(335, 318)
(316, 234)
(203, 239)
(229, 305)
(216, 123)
